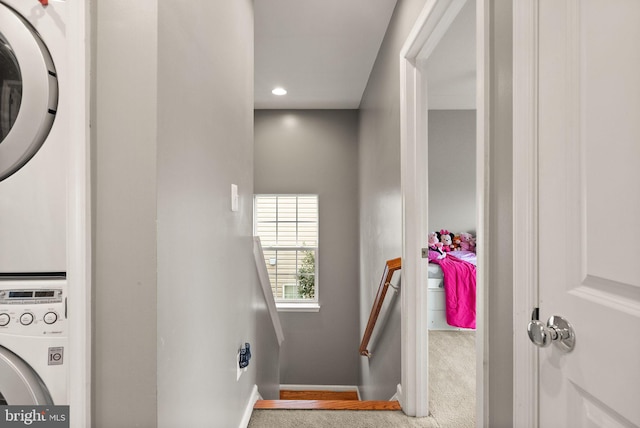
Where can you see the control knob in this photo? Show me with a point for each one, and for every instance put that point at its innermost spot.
(50, 317)
(26, 318)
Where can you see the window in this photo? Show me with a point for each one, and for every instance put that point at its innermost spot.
(288, 229)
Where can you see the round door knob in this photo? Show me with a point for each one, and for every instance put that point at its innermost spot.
(539, 334)
(557, 330)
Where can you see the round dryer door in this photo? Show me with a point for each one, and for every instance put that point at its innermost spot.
(28, 91)
(19, 383)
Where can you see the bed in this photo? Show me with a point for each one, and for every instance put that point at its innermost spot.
(437, 310)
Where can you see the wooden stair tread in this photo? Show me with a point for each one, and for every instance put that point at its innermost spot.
(327, 405)
(318, 395)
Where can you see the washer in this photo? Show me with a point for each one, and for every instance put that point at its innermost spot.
(34, 130)
(33, 340)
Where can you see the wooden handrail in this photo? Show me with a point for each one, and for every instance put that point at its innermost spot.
(390, 267)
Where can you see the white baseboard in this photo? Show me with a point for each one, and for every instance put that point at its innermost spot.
(334, 388)
(398, 395)
(246, 417)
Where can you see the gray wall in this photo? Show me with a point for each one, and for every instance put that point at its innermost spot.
(380, 197)
(207, 281)
(316, 151)
(380, 209)
(124, 213)
(175, 288)
(452, 170)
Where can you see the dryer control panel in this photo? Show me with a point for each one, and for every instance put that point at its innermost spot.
(33, 311)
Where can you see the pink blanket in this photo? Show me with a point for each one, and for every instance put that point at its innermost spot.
(460, 291)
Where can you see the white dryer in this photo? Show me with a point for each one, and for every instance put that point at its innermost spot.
(33, 340)
(33, 136)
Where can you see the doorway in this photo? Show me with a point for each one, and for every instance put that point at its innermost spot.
(431, 99)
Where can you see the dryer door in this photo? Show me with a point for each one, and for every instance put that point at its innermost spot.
(19, 384)
(28, 91)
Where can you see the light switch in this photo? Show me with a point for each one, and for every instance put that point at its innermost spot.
(234, 197)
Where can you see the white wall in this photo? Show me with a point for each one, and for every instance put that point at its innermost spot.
(452, 170)
(316, 151)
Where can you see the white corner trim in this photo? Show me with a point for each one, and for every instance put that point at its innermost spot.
(525, 209)
(79, 214)
(263, 276)
(483, 135)
(433, 22)
(298, 307)
(398, 396)
(248, 410)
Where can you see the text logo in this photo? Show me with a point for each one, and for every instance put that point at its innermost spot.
(34, 416)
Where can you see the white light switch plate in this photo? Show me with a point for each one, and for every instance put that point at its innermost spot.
(234, 197)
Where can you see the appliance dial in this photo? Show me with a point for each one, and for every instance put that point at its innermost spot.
(50, 317)
(26, 318)
(4, 319)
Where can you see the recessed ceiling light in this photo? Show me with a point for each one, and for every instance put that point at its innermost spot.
(279, 91)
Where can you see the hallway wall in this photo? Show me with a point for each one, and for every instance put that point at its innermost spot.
(207, 280)
(316, 151)
(380, 207)
(176, 291)
(124, 130)
(380, 197)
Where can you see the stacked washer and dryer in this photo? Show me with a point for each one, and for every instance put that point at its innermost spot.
(33, 201)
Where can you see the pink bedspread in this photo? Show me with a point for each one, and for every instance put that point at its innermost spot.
(460, 291)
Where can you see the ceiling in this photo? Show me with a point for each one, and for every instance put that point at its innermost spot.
(322, 53)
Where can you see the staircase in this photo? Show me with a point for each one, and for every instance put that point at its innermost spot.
(324, 400)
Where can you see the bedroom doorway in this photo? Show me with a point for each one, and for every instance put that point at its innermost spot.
(451, 204)
(439, 176)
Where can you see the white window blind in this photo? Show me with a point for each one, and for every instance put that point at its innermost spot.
(288, 229)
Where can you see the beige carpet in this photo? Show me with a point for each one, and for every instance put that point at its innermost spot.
(452, 378)
(452, 375)
(336, 418)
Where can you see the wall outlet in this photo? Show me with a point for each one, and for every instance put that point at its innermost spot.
(242, 360)
(239, 371)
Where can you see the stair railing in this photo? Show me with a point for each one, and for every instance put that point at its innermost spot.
(390, 267)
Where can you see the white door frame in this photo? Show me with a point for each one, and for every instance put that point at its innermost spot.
(79, 215)
(431, 25)
(525, 210)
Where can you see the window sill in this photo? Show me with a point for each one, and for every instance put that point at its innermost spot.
(298, 307)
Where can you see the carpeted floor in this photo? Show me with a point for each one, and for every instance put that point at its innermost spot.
(337, 419)
(452, 378)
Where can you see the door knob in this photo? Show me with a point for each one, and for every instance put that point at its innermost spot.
(557, 331)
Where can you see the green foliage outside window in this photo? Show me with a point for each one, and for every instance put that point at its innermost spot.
(306, 276)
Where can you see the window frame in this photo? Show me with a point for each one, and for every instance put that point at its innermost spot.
(300, 304)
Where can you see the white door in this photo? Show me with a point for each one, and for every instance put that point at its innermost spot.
(28, 91)
(20, 385)
(589, 210)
